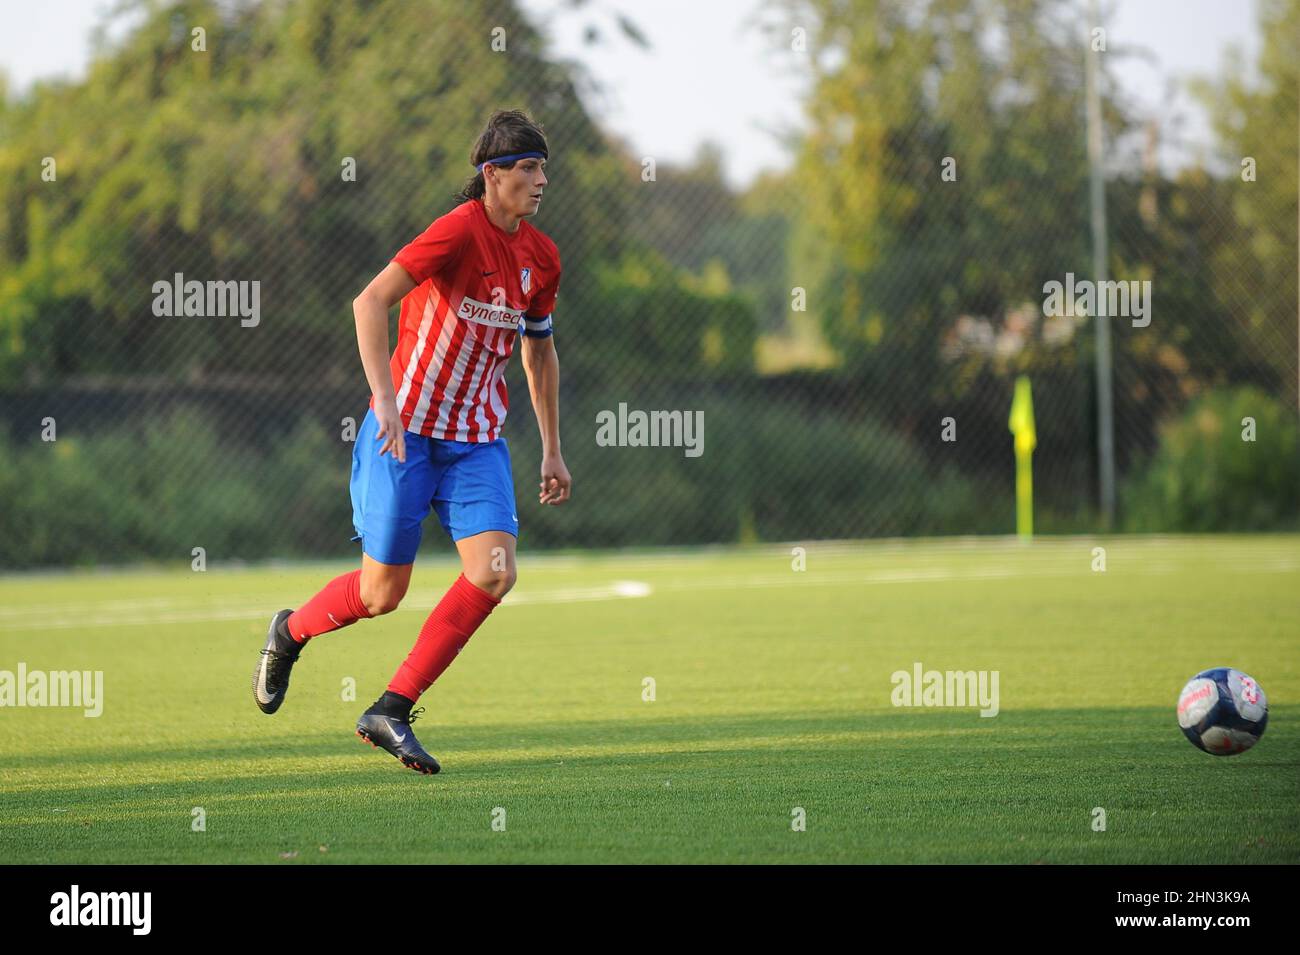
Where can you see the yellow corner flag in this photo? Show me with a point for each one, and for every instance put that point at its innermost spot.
(1021, 424)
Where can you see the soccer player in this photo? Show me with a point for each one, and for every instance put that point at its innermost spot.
(469, 285)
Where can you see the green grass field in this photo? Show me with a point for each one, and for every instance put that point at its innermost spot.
(772, 692)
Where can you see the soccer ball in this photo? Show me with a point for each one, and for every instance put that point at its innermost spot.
(1223, 711)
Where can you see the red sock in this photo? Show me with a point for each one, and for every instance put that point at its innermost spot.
(336, 606)
(447, 630)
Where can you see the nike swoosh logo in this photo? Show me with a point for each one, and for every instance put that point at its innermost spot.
(493, 272)
(261, 682)
(331, 616)
(400, 739)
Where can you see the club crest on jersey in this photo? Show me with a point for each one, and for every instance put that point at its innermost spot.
(525, 279)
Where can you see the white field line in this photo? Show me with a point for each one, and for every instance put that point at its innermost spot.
(1073, 568)
(128, 613)
(919, 568)
(1074, 555)
(921, 549)
(1199, 547)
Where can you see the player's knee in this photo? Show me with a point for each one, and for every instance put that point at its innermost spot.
(382, 601)
(507, 581)
(496, 582)
(381, 607)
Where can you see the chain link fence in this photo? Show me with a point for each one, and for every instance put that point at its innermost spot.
(848, 333)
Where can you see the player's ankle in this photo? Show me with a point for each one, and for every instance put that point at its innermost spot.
(393, 704)
(286, 632)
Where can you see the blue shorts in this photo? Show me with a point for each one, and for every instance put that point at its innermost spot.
(468, 483)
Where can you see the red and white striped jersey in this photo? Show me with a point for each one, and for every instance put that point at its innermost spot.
(477, 287)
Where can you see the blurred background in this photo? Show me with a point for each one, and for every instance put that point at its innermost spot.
(826, 224)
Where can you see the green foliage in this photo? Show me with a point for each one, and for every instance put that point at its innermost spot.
(891, 251)
(772, 470)
(689, 216)
(154, 492)
(1206, 477)
(229, 164)
(1255, 270)
(656, 324)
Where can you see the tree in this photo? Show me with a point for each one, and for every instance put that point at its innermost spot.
(944, 175)
(1255, 273)
(228, 163)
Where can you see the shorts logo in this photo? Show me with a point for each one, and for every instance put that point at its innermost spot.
(525, 279)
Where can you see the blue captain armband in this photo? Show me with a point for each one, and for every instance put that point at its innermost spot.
(538, 327)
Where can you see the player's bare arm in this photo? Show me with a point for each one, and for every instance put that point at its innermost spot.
(370, 309)
(542, 367)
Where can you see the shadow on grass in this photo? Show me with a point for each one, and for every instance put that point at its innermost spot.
(913, 738)
(897, 785)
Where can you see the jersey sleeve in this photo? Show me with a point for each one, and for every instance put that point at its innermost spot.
(537, 321)
(435, 248)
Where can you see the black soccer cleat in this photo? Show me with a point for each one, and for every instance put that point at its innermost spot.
(392, 732)
(271, 677)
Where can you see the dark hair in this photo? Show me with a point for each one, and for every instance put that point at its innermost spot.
(508, 131)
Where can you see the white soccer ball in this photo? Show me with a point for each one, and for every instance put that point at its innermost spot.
(1223, 711)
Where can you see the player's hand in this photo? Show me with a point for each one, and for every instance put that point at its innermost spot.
(556, 482)
(390, 425)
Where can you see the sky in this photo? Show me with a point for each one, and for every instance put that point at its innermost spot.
(712, 74)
